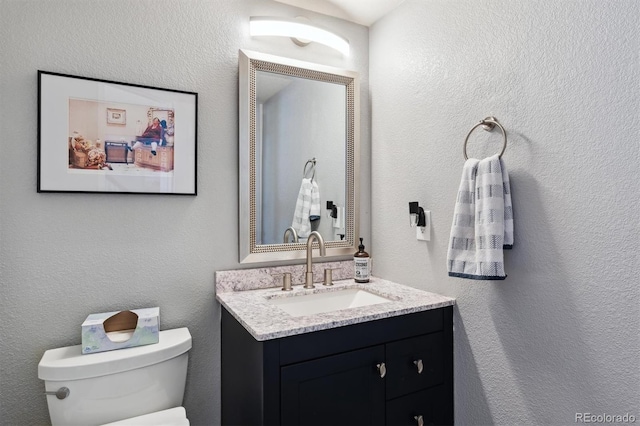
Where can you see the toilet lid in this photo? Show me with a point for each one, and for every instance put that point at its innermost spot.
(69, 363)
(171, 417)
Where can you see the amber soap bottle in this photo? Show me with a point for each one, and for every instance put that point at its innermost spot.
(362, 264)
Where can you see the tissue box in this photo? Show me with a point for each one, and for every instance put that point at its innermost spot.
(118, 330)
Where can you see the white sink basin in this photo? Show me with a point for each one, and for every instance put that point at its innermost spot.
(317, 303)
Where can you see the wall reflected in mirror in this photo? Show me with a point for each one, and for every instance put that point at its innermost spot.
(298, 120)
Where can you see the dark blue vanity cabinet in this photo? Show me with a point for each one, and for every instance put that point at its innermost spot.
(392, 371)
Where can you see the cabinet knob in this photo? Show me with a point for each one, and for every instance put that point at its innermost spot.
(419, 420)
(418, 364)
(382, 369)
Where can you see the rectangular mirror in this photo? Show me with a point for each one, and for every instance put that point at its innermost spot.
(299, 149)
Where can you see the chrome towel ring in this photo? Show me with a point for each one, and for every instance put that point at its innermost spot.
(487, 124)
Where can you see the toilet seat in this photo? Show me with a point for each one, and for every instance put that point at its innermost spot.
(172, 417)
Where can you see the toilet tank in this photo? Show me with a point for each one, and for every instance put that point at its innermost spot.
(109, 386)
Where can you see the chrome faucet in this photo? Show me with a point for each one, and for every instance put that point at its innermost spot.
(315, 235)
(292, 231)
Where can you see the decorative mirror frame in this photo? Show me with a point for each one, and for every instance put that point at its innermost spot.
(249, 63)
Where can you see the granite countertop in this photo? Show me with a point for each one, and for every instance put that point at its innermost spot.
(266, 321)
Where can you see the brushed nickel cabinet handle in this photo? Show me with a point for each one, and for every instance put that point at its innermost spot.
(418, 364)
(382, 369)
(419, 420)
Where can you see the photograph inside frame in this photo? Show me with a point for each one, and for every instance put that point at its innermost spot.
(125, 139)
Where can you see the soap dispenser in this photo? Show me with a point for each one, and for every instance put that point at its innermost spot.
(362, 264)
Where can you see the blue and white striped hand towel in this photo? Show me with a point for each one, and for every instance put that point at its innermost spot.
(482, 221)
(307, 207)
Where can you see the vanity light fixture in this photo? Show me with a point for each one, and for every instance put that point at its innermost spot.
(297, 30)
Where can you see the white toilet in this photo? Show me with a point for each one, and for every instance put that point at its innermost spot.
(134, 386)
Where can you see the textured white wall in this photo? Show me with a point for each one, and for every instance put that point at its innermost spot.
(560, 334)
(63, 256)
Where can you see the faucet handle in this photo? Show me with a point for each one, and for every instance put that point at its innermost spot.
(328, 277)
(286, 280)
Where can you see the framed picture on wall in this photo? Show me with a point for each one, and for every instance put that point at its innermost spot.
(146, 145)
(116, 116)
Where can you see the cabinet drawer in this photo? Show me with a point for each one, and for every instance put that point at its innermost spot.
(414, 364)
(433, 406)
(163, 160)
(342, 339)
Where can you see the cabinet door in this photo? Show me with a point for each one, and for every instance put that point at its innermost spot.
(344, 389)
(432, 406)
(415, 364)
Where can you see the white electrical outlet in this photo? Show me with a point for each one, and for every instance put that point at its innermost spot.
(423, 233)
(420, 233)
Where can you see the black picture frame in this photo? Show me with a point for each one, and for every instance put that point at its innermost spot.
(148, 147)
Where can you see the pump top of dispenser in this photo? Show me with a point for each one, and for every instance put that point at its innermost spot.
(361, 252)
